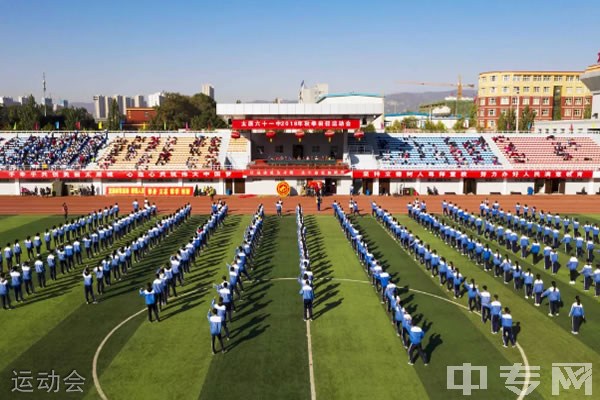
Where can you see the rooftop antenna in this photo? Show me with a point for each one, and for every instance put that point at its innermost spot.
(44, 99)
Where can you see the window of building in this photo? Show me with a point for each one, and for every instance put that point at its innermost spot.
(482, 113)
(515, 101)
(546, 89)
(577, 112)
(492, 101)
(525, 89)
(516, 78)
(482, 102)
(493, 78)
(578, 101)
(483, 79)
(506, 78)
(546, 101)
(492, 89)
(557, 78)
(536, 89)
(568, 101)
(586, 101)
(546, 78)
(526, 78)
(537, 78)
(579, 90)
(491, 113)
(517, 89)
(536, 101)
(567, 112)
(569, 90)
(526, 101)
(491, 124)
(504, 101)
(570, 78)
(505, 89)
(545, 112)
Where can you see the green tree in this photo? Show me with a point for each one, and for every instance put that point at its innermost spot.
(369, 128)
(72, 116)
(459, 126)
(29, 114)
(410, 122)
(113, 123)
(506, 121)
(396, 127)
(198, 111)
(526, 119)
(587, 112)
(430, 126)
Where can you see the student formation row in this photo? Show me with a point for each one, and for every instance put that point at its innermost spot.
(411, 334)
(68, 252)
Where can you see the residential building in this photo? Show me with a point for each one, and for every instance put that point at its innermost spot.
(156, 99)
(208, 90)
(7, 101)
(313, 94)
(139, 101)
(101, 107)
(552, 95)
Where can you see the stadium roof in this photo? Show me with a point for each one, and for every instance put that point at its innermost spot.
(349, 94)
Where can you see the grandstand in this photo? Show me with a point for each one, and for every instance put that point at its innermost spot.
(54, 151)
(157, 153)
(549, 150)
(408, 151)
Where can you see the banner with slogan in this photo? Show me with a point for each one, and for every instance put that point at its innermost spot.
(149, 191)
(473, 174)
(311, 124)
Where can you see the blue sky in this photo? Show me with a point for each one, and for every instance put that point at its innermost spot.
(264, 49)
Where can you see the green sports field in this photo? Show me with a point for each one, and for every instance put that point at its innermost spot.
(354, 349)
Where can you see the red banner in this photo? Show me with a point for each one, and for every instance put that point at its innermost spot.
(298, 172)
(281, 124)
(472, 174)
(120, 175)
(149, 191)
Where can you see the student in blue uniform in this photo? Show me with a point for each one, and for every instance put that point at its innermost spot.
(416, 336)
(5, 292)
(16, 283)
(553, 294)
(215, 322)
(507, 328)
(577, 316)
(308, 296)
(88, 282)
(150, 300)
(496, 313)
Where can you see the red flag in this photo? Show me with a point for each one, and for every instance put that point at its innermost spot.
(77, 125)
(37, 126)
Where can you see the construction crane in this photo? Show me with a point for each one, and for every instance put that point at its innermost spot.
(459, 86)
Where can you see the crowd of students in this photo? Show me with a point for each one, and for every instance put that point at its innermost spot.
(479, 298)
(306, 277)
(411, 334)
(65, 246)
(220, 314)
(470, 246)
(157, 292)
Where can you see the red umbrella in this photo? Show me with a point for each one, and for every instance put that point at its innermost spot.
(329, 134)
(299, 135)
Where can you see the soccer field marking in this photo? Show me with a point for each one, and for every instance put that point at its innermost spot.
(521, 351)
(313, 390)
(107, 337)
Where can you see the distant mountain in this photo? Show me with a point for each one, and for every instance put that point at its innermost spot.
(406, 101)
(88, 106)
